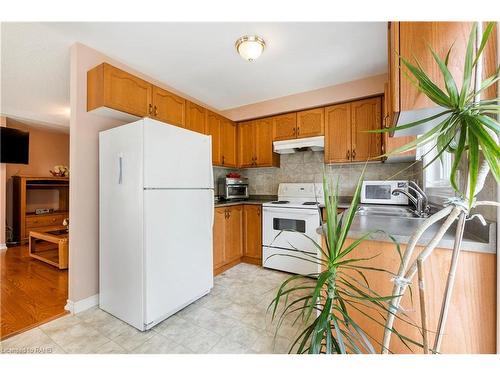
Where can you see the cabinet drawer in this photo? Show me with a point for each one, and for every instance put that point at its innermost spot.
(45, 220)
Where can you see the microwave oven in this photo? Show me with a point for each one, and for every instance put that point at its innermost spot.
(380, 192)
(233, 188)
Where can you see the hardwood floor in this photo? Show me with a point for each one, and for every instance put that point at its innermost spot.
(32, 292)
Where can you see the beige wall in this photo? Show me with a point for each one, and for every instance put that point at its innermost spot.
(47, 148)
(332, 94)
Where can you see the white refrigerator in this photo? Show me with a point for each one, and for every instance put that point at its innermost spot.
(156, 207)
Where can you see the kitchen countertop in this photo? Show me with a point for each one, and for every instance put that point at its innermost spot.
(476, 237)
(259, 199)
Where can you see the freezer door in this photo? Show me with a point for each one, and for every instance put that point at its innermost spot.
(178, 240)
(120, 223)
(175, 157)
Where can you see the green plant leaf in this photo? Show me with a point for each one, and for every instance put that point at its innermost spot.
(484, 40)
(458, 155)
(425, 85)
(449, 82)
(468, 65)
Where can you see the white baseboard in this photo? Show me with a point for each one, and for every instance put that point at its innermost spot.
(3, 246)
(82, 305)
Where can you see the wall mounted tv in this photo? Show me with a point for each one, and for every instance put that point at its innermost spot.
(14, 146)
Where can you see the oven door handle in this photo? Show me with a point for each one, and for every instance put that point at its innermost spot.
(284, 212)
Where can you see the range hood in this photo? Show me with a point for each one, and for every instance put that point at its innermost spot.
(300, 144)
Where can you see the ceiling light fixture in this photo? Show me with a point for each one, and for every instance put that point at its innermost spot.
(250, 47)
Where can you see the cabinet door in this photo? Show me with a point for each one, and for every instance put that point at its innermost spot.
(264, 142)
(246, 144)
(392, 95)
(252, 236)
(125, 92)
(219, 237)
(234, 233)
(196, 118)
(311, 123)
(366, 115)
(214, 130)
(338, 133)
(390, 143)
(168, 107)
(414, 39)
(229, 143)
(285, 127)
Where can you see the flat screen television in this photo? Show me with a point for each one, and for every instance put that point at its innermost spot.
(14, 146)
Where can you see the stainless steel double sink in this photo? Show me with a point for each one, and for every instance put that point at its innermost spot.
(391, 211)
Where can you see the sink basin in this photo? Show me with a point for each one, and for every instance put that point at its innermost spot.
(386, 211)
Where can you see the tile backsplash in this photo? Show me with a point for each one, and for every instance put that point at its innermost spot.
(308, 166)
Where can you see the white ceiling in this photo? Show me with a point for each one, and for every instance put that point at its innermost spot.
(198, 59)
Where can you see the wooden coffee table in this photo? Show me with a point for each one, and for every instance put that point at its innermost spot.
(40, 248)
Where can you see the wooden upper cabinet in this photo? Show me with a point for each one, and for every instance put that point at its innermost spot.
(338, 133)
(252, 234)
(285, 127)
(311, 123)
(366, 115)
(196, 118)
(229, 143)
(168, 107)
(389, 142)
(219, 237)
(411, 40)
(246, 144)
(214, 129)
(264, 155)
(115, 89)
(234, 233)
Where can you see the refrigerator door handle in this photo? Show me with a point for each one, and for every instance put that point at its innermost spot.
(212, 207)
(120, 166)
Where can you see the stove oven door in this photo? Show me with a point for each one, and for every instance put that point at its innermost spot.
(284, 232)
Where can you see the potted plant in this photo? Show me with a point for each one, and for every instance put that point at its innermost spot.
(322, 302)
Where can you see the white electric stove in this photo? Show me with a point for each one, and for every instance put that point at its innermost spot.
(288, 226)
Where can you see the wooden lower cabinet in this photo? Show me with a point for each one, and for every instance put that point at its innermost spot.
(234, 233)
(236, 236)
(471, 319)
(252, 233)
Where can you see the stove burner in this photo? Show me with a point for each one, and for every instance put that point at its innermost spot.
(310, 203)
(280, 202)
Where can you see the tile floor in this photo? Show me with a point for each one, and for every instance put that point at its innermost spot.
(231, 319)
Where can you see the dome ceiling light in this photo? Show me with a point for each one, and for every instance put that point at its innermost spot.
(250, 47)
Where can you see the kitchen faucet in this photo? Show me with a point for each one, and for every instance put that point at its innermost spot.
(420, 202)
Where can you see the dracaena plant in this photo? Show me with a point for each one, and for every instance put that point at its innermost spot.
(466, 128)
(321, 304)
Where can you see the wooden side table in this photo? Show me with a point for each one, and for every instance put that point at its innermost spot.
(56, 235)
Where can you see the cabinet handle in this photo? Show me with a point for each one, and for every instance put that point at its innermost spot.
(348, 154)
(222, 159)
(156, 111)
(298, 130)
(258, 211)
(294, 131)
(353, 154)
(150, 109)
